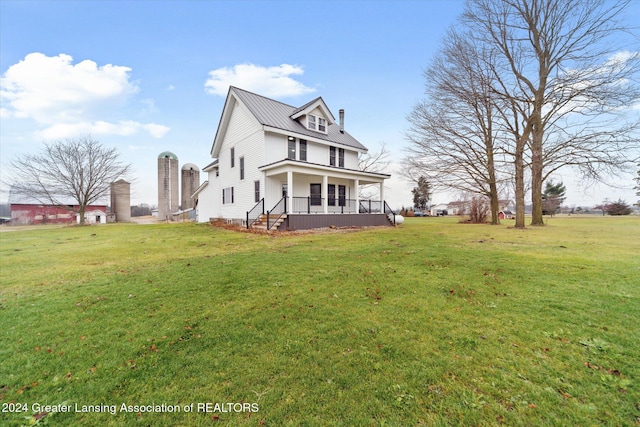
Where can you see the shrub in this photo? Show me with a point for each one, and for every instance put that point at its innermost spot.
(479, 210)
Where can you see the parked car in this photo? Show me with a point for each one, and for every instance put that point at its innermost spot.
(419, 213)
(442, 212)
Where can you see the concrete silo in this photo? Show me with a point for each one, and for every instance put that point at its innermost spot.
(190, 183)
(167, 185)
(121, 200)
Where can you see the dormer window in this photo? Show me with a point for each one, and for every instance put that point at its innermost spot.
(316, 123)
(322, 124)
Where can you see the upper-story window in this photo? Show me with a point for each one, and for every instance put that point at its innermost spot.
(322, 124)
(332, 157)
(291, 151)
(233, 156)
(316, 123)
(303, 150)
(242, 167)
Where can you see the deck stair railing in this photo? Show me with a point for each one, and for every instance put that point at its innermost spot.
(389, 212)
(254, 214)
(278, 211)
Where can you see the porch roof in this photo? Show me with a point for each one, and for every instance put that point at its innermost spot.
(308, 168)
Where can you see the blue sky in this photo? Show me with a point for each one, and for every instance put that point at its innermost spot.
(150, 76)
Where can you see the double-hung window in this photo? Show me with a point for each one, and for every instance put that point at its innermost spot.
(233, 156)
(332, 194)
(227, 195)
(316, 123)
(332, 156)
(315, 191)
(256, 190)
(241, 168)
(341, 157)
(291, 149)
(322, 125)
(303, 150)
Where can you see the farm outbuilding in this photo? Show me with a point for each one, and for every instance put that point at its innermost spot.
(190, 183)
(26, 210)
(36, 213)
(121, 200)
(167, 185)
(505, 215)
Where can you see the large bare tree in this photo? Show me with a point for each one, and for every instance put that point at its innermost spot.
(453, 134)
(569, 84)
(373, 161)
(73, 169)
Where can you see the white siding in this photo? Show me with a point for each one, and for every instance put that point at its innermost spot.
(245, 135)
(208, 201)
(317, 153)
(275, 147)
(350, 159)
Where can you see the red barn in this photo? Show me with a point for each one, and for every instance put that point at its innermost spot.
(26, 210)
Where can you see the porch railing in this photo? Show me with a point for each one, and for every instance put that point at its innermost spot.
(342, 206)
(338, 205)
(389, 212)
(276, 213)
(307, 204)
(255, 212)
(370, 206)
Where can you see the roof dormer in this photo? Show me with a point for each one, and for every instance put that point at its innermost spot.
(314, 115)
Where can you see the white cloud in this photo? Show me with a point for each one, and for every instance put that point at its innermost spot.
(121, 128)
(268, 81)
(69, 99)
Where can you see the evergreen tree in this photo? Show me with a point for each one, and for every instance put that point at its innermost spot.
(421, 194)
(552, 197)
(618, 208)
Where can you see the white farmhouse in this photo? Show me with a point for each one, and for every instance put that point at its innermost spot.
(286, 167)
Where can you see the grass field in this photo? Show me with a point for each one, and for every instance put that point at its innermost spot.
(431, 323)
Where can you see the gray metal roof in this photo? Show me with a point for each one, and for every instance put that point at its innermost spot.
(276, 114)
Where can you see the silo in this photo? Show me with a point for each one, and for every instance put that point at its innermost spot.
(190, 183)
(167, 185)
(121, 200)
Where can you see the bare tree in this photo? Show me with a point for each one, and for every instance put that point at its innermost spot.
(74, 169)
(568, 83)
(373, 161)
(376, 161)
(453, 133)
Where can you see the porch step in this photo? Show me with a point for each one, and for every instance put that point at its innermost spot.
(261, 223)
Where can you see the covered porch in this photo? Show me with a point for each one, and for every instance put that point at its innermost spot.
(295, 188)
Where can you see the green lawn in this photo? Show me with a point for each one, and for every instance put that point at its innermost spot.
(431, 323)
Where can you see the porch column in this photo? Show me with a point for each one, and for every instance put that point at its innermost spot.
(325, 193)
(382, 196)
(356, 184)
(289, 190)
